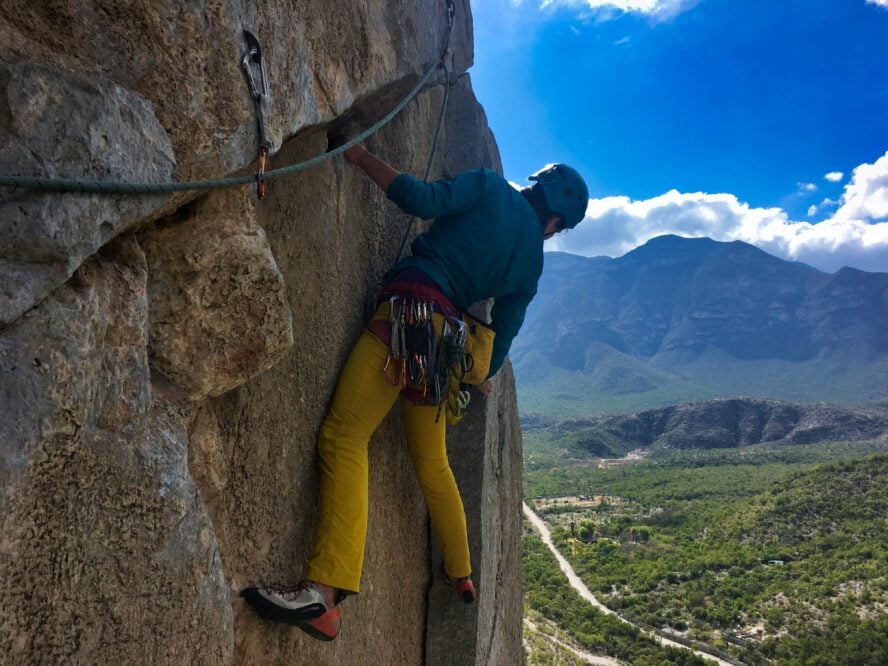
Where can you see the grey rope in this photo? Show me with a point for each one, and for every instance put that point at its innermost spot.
(125, 187)
(451, 11)
(441, 115)
(428, 168)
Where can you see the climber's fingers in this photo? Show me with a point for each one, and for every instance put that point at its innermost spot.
(355, 153)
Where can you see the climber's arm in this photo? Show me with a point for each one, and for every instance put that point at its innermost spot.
(380, 172)
(449, 196)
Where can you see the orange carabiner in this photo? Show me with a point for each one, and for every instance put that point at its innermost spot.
(260, 175)
(391, 382)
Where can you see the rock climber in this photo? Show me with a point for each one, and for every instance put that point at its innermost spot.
(486, 241)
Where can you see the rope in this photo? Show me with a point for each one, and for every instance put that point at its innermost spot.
(127, 187)
(428, 168)
(451, 349)
(451, 11)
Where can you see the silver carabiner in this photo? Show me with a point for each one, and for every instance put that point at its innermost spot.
(254, 55)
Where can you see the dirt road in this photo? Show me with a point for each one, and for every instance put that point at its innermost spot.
(594, 659)
(584, 591)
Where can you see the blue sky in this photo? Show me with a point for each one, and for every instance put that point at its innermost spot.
(763, 120)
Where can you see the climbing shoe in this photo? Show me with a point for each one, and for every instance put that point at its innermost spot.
(303, 606)
(324, 628)
(464, 587)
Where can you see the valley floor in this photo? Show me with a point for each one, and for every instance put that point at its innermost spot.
(770, 554)
(584, 591)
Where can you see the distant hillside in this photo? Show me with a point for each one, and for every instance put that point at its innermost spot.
(824, 501)
(713, 424)
(685, 319)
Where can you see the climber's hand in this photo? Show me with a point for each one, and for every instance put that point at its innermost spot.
(382, 173)
(486, 388)
(355, 154)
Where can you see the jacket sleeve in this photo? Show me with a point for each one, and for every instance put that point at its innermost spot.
(507, 315)
(443, 197)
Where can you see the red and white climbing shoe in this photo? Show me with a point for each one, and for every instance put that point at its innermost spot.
(326, 627)
(463, 587)
(304, 606)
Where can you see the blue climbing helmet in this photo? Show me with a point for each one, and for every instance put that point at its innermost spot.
(565, 192)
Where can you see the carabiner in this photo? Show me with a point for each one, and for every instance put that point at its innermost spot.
(253, 56)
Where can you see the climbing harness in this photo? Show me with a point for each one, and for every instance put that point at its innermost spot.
(451, 363)
(253, 56)
(428, 356)
(129, 187)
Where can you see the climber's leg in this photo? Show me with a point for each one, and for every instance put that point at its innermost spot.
(363, 397)
(426, 440)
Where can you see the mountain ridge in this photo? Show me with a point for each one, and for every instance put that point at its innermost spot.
(710, 424)
(680, 319)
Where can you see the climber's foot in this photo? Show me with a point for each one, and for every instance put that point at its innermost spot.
(463, 587)
(326, 627)
(310, 606)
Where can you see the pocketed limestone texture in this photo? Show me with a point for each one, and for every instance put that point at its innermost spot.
(153, 88)
(108, 553)
(65, 124)
(218, 311)
(166, 360)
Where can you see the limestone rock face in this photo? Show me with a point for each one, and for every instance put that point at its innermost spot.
(66, 125)
(108, 552)
(219, 313)
(112, 92)
(487, 630)
(166, 361)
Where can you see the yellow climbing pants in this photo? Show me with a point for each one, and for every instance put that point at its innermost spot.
(363, 397)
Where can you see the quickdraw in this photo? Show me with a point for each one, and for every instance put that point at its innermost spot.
(253, 57)
(431, 364)
(450, 366)
(412, 347)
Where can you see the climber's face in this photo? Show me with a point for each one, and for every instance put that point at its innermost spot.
(553, 226)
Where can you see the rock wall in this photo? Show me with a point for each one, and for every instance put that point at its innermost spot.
(165, 361)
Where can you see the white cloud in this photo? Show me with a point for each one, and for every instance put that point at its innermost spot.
(657, 9)
(806, 187)
(823, 205)
(857, 235)
(880, 3)
(836, 176)
(866, 196)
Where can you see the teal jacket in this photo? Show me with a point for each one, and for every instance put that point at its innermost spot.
(486, 241)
